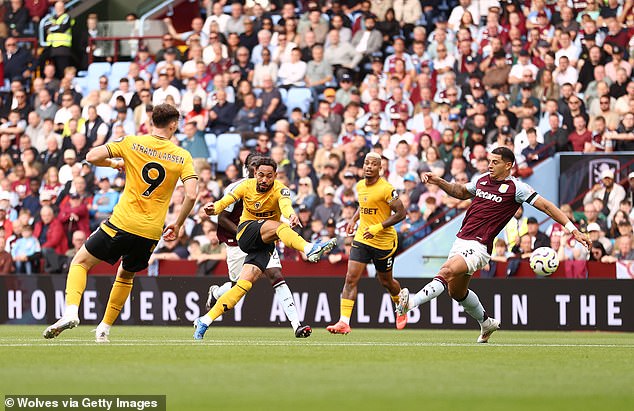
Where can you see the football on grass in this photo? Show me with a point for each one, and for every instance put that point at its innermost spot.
(544, 261)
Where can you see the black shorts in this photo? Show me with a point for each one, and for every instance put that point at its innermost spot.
(250, 241)
(382, 259)
(109, 243)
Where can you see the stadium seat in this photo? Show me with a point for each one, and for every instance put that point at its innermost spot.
(227, 147)
(211, 141)
(99, 69)
(83, 83)
(119, 70)
(284, 94)
(298, 97)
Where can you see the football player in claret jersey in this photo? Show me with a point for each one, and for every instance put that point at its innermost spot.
(153, 166)
(496, 197)
(375, 240)
(228, 221)
(264, 201)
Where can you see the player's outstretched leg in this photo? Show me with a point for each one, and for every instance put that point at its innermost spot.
(290, 238)
(75, 286)
(474, 308)
(225, 303)
(432, 290)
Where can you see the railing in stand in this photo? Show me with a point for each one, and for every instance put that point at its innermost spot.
(116, 40)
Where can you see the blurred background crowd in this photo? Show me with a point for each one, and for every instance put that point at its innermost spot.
(316, 85)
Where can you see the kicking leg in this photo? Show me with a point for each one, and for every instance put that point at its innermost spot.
(348, 296)
(274, 230)
(75, 286)
(456, 265)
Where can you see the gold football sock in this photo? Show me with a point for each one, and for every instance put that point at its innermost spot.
(75, 284)
(290, 238)
(120, 291)
(346, 310)
(229, 299)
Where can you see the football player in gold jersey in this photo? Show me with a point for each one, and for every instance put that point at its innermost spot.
(153, 166)
(265, 200)
(375, 240)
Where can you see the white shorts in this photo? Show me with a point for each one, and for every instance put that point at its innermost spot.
(474, 253)
(235, 261)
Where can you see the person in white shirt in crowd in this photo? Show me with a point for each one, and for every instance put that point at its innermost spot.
(209, 51)
(165, 89)
(282, 53)
(193, 90)
(565, 73)
(523, 63)
(521, 139)
(568, 49)
(189, 67)
(217, 16)
(292, 73)
(454, 21)
(124, 91)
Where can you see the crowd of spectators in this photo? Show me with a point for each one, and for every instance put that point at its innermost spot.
(430, 85)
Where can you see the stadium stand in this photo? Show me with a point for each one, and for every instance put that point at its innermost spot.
(452, 81)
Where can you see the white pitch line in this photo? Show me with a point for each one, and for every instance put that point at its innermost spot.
(175, 343)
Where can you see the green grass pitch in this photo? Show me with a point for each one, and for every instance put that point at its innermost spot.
(268, 369)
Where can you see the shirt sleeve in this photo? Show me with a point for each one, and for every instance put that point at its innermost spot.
(228, 190)
(471, 187)
(188, 169)
(525, 193)
(390, 194)
(116, 149)
(284, 200)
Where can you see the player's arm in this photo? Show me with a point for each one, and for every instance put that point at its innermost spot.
(225, 222)
(286, 207)
(191, 193)
(100, 157)
(215, 208)
(353, 222)
(456, 190)
(556, 214)
(398, 214)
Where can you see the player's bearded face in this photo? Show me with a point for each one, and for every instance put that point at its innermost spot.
(265, 177)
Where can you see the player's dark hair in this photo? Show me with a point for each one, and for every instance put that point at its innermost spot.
(250, 162)
(164, 114)
(506, 153)
(265, 161)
